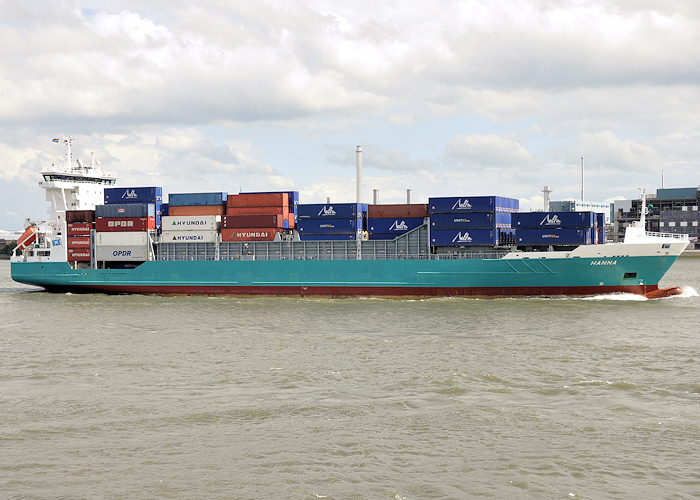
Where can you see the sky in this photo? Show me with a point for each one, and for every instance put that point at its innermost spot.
(447, 98)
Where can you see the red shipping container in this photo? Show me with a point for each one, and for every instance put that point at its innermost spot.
(292, 220)
(281, 210)
(78, 242)
(197, 210)
(258, 200)
(79, 228)
(250, 234)
(79, 254)
(397, 211)
(111, 224)
(248, 221)
(80, 216)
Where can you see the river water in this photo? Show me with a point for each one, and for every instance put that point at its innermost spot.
(256, 398)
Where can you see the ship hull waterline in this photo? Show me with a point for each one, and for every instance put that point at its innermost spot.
(386, 278)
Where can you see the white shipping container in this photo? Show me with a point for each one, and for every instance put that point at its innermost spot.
(190, 222)
(122, 238)
(122, 253)
(189, 236)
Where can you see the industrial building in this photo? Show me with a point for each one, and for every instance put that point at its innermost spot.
(672, 210)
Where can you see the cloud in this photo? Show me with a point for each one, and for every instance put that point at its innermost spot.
(478, 97)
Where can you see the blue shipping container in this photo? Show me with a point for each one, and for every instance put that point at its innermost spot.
(164, 208)
(554, 236)
(395, 226)
(127, 210)
(331, 210)
(463, 237)
(474, 220)
(383, 236)
(196, 199)
(553, 219)
(464, 204)
(326, 237)
(134, 195)
(600, 219)
(327, 226)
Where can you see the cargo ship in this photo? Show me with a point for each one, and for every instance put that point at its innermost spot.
(102, 238)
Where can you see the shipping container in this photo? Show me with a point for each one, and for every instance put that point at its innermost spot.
(248, 221)
(258, 200)
(191, 222)
(113, 224)
(600, 219)
(292, 220)
(79, 254)
(152, 194)
(383, 236)
(326, 237)
(79, 228)
(136, 253)
(80, 216)
(118, 210)
(473, 220)
(463, 237)
(327, 226)
(197, 210)
(330, 211)
(554, 236)
(78, 242)
(527, 220)
(189, 236)
(464, 204)
(292, 197)
(394, 226)
(250, 234)
(124, 238)
(164, 209)
(281, 210)
(389, 211)
(196, 199)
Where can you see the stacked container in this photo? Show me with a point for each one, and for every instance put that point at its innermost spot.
(293, 204)
(337, 221)
(555, 228)
(255, 216)
(124, 231)
(137, 195)
(600, 227)
(190, 228)
(386, 222)
(197, 204)
(79, 225)
(472, 220)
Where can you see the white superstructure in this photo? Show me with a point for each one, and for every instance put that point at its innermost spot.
(68, 186)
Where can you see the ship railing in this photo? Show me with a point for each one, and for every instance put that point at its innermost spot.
(668, 235)
(331, 256)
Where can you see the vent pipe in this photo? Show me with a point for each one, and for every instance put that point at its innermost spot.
(376, 197)
(358, 159)
(582, 179)
(409, 196)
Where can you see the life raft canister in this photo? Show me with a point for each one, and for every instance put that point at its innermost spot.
(27, 238)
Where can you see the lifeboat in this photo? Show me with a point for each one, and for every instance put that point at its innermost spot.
(27, 238)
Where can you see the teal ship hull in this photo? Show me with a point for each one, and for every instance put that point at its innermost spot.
(410, 277)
